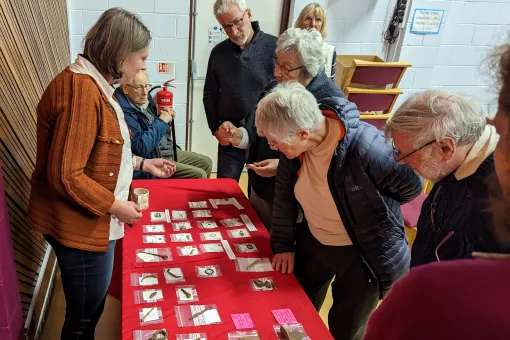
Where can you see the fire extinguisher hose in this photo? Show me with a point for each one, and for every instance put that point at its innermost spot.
(172, 126)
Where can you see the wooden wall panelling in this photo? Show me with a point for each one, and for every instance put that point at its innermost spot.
(34, 48)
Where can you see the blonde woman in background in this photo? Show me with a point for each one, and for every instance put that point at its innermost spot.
(314, 16)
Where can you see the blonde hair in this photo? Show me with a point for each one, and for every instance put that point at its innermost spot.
(318, 11)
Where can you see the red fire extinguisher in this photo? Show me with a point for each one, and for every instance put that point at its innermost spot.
(165, 97)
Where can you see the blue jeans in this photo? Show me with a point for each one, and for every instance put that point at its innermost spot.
(231, 162)
(85, 278)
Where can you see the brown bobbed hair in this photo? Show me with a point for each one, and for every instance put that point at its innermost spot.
(117, 34)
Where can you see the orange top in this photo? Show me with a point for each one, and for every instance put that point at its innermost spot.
(79, 150)
(313, 193)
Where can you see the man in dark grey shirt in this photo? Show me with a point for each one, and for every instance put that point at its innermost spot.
(239, 68)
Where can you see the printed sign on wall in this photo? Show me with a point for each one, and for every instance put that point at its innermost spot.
(426, 21)
(214, 36)
(166, 67)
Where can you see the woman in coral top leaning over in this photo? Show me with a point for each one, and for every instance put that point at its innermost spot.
(84, 166)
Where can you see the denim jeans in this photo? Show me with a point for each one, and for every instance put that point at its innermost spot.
(231, 162)
(85, 278)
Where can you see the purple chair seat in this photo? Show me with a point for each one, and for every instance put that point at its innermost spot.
(411, 211)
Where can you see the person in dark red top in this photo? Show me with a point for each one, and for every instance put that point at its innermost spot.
(465, 299)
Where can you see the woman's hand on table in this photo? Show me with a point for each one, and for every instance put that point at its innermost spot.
(159, 167)
(126, 211)
(284, 262)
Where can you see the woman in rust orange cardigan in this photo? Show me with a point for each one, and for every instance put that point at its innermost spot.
(84, 167)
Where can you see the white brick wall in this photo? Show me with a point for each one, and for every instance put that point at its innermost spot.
(454, 60)
(354, 27)
(168, 21)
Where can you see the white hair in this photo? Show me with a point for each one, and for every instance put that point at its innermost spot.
(221, 6)
(288, 109)
(307, 45)
(434, 115)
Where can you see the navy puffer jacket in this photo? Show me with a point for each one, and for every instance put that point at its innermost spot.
(368, 187)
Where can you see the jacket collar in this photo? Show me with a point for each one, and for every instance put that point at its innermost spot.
(125, 101)
(483, 147)
(317, 83)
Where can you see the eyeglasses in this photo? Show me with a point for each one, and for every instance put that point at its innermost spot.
(272, 145)
(138, 88)
(237, 24)
(399, 158)
(283, 69)
(310, 19)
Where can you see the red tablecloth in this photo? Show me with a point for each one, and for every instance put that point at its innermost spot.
(231, 293)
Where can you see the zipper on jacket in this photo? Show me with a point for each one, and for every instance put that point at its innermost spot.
(435, 199)
(433, 207)
(347, 227)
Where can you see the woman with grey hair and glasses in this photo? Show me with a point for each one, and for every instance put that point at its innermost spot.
(299, 57)
(341, 173)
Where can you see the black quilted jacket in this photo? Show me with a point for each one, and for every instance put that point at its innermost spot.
(368, 187)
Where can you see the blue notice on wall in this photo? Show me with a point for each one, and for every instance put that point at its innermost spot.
(427, 21)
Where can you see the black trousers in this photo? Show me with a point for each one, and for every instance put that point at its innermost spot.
(355, 293)
(231, 161)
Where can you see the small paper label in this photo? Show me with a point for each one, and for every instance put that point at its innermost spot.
(211, 316)
(246, 248)
(179, 215)
(211, 236)
(158, 216)
(207, 271)
(248, 222)
(154, 239)
(156, 228)
(239, 233)
(153, 314)
(183, 237)
(146, 257)
(243, 321)
(212, 248)
(198, 205)
(173, 275)
(147, 280)
(182, 226)
(208, 224)
(185, 294)
(232, 222)
(284, 316)
(202, 213)
(228, 249)
(146, 294)
(189, 250)
(236, 203)
(213, 203)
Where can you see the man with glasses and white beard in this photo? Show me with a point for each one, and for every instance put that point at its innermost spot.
(150, 134)
(444, 137)
(239, 68)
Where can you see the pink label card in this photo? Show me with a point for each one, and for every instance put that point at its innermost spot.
(284, 316)
(243, 321)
